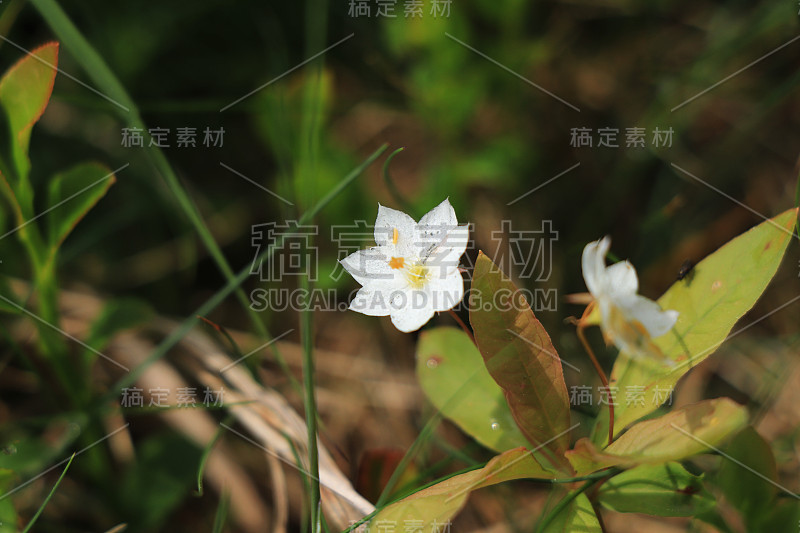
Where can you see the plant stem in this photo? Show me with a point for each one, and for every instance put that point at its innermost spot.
(49, 496)
(603, 378)
(393, 190)
(310, 401)
(463, 326)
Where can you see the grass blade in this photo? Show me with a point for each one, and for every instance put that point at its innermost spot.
(46, 500)
(222, 513)
(201, 469)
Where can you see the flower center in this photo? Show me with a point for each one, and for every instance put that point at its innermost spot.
(396, 262)
(417, 275)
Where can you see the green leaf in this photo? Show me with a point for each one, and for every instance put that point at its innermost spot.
(677, 435)
(8, 181)
(718, 292)
(750, 493)
(24, 92)
(451, 372)
(662, 490)
(521, 358)
(439, 503)
(577, 517)
(72, 194)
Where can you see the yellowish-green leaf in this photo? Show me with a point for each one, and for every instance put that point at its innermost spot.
(662, 490)
(72, 194)
(438, 504)
(677, 435)
(577, 517)
(451, 372)
(717, 293)
(24, 92)
(521, 358)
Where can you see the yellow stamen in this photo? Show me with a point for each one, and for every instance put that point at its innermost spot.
(417, 275)
(396, 262)
(395, 235)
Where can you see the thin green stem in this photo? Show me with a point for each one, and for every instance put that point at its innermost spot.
(299, 462)
(201, 469)
(306, 179)
(393, 190)
(222, 512)
(49, 496)
(310, 401)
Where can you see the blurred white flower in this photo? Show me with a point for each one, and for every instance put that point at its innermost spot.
(628, 320)
(412, 273)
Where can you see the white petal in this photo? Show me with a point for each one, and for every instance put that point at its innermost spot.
(389, 220)
(621, 279)
(444, 250)
(446, 293)
(416, 311)
(371, 302)
(441, 215)
(593, 262)
(440, 240)
(656, 321)
(370, 267)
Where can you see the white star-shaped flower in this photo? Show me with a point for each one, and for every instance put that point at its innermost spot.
(628, 320)
(412, 273)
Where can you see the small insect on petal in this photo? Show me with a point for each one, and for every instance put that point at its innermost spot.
(686, 269)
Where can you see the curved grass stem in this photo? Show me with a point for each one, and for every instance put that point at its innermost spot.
(404, 204)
